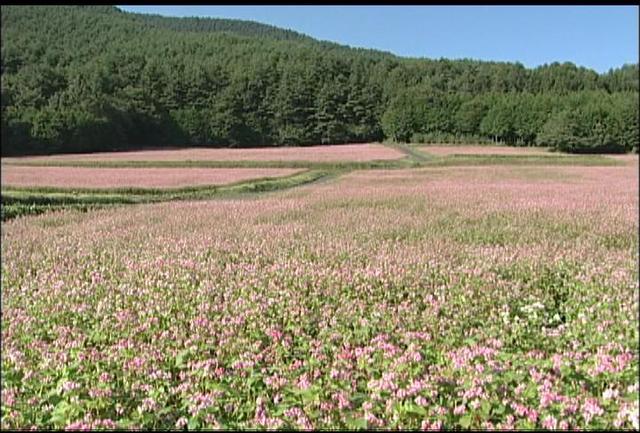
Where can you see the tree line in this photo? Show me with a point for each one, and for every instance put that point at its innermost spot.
(92, 78)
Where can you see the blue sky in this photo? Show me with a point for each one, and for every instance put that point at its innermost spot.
(597, 37)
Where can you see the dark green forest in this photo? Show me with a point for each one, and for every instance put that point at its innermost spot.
(94, 78)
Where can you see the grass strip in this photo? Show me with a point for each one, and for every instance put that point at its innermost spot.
(16, 201)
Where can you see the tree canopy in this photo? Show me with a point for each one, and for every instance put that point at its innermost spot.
(93, 78)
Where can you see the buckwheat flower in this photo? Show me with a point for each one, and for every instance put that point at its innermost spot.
(78, 425)
(105, 423)
(148, 405)
(303, 382)
(633, 418)
(590, 408)
(373, 420)
(8, 396)
(326, 406)
(343, 401)
(421, 401)
(520, 409)
(182, 421)
(436, 425)
(571, 408)
(69, 386)
(609, 394)
(550, 423)
(459, 410)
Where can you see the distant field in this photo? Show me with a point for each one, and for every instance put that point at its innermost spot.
(483, 150)
(627, 158)
(334, 153)
(89, 177)
(479, 290)
(555, 190)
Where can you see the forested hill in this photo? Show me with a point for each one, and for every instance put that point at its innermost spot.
(196, 24)
(88, 78)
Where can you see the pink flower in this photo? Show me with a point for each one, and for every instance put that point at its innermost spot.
(546, 398)
(459, 410)
(8, 396)
(609, 394)
(343, 401)
(532, 414)
(570, 408)
(590, 408)
(148, 405)
(303, 382)
(275, 334)
(421, 401)
(78, 425)
(106, 423)
(436, 425)
(326, 406)
(520, 409)
(69, 386)
(550, 423)
(373, 420)
(182, 421)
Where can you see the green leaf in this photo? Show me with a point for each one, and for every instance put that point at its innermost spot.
(356, 423)
(180, 358)
(465, 421)
(414, 408)
(59, 415)
(530, 393)
(194, 423)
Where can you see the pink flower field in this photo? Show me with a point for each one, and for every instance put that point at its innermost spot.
(482, 150)
(91, 177)
(494, 297)
(328, 153)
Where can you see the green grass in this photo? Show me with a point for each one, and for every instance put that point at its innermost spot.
(411, 151)
(28, 201)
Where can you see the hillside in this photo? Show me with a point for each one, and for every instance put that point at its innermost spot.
(89, 78)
